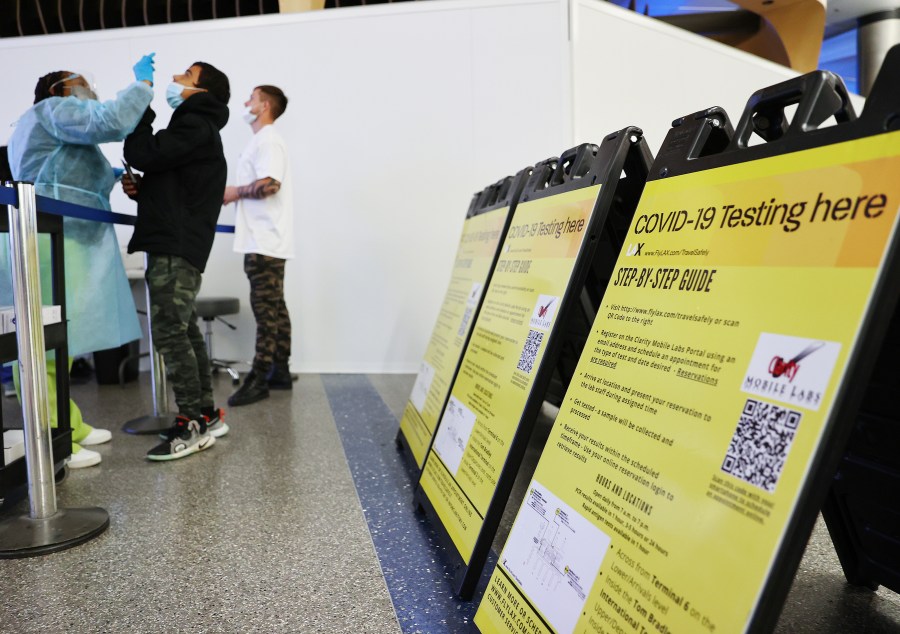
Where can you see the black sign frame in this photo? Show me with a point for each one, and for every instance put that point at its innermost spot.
(624, 152)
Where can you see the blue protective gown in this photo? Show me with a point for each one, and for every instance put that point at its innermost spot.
(54, 145)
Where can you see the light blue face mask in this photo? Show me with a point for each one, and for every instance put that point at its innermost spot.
(173, 93)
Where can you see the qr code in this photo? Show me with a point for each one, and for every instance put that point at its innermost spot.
(529, 352)
(760, 445)
(465, 321)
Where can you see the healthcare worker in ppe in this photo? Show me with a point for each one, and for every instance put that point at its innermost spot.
(54, 145)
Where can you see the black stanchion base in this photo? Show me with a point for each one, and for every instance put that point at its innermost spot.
(148, 424)
(24, 536)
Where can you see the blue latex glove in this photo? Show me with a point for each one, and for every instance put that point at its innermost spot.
(143, 70)
(117, 173)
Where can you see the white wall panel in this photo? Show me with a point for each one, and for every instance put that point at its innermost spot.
(397, 115)
(630, 70)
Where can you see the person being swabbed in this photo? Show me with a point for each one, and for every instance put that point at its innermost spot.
(55, 146)
(178, 199)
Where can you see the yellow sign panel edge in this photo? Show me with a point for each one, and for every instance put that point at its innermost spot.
(464, 546)
(414, 427)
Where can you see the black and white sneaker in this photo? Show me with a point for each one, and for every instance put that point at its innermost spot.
(215, 421)
(188, 437)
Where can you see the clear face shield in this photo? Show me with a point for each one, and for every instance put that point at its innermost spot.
(78, 85)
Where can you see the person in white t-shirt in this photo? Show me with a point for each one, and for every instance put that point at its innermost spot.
(264, 233)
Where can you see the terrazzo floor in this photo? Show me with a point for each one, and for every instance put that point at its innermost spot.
(300, 520)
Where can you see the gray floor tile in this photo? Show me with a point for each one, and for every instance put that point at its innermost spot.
(261, 533)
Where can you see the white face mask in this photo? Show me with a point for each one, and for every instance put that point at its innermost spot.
(248, 115)
(83, 92)
(78, 91)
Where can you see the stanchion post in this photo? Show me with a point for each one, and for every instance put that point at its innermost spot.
(32, 360)
(157, 364)
(160, 389)
(160, 419)
(46, 529)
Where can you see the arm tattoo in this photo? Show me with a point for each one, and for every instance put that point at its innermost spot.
(262, 188)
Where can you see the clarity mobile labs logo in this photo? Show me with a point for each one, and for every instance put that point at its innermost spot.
(634, 249)
(779, 367)
(791, 369)
(544, 310)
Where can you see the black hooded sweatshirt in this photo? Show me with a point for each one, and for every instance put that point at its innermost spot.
(184, 168)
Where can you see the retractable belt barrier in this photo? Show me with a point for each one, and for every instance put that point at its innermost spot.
(46, 528)
(72, 210)
(158, 421)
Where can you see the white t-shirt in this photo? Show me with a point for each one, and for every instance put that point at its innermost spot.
(265, 226)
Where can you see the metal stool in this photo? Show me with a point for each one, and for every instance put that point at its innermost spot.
(209, 309)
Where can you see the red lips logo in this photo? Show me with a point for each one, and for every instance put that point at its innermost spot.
(542, 310)
(779, 367)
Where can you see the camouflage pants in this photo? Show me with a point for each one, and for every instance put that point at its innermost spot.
(273, 324)
(173, 284)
